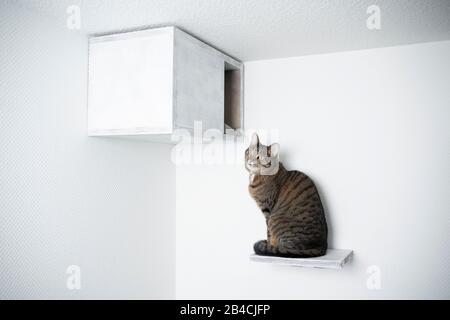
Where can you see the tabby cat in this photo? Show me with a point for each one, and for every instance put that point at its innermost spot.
(296, 225)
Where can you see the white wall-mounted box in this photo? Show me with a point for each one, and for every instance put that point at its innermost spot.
(151, 82)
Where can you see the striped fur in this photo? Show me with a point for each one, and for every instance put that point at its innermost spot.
(296, 225)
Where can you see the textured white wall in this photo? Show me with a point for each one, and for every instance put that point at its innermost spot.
(267, 29)
(372, 129)
(106, 205)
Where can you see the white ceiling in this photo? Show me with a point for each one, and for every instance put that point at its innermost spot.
(265, 29)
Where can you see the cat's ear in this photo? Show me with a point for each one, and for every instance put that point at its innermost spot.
(274, 149)
(255, 139)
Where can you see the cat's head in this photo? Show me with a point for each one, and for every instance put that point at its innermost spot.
(261, 159)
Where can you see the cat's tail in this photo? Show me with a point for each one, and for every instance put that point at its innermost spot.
(263, 248)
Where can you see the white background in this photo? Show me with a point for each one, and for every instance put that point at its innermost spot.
(371, 128)
(106, 205)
